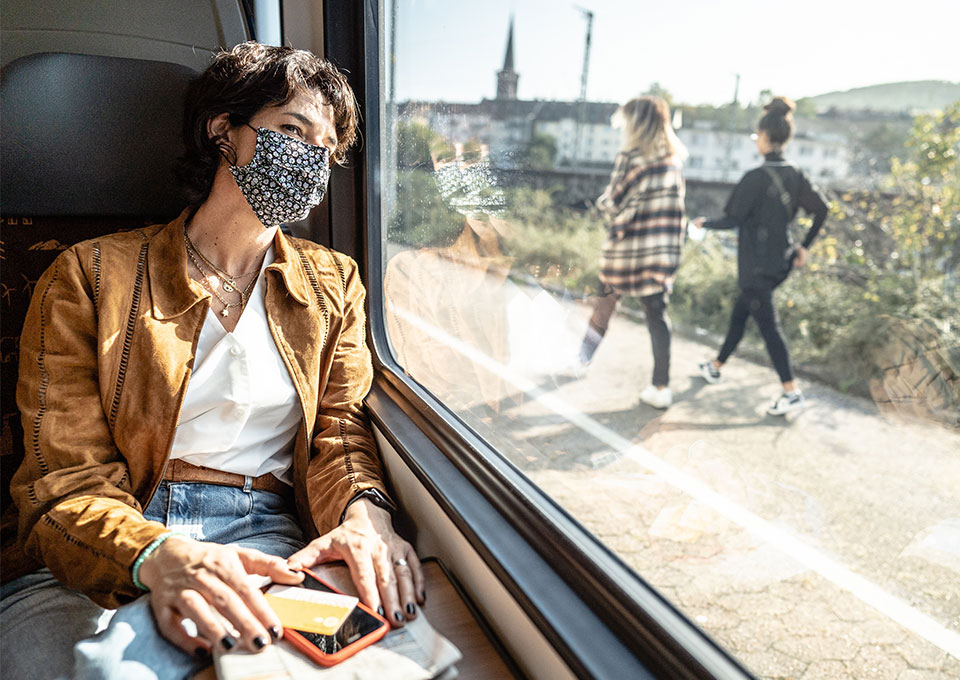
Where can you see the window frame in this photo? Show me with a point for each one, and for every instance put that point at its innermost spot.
(633, 631)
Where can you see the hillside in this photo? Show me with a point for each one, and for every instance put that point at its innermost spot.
(920, 95)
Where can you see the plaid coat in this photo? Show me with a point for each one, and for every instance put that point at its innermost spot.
(643, 208)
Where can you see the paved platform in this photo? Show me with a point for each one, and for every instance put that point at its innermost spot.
(823, 545)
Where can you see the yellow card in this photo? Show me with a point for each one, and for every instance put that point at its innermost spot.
(314, 611)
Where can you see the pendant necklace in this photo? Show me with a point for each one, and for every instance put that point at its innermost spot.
(231, 287)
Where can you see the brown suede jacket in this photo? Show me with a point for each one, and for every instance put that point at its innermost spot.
(105, 357)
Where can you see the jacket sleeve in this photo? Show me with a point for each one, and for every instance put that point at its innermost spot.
(344, 459)
(813, 203)
(742, 202)
(609, 201)
(77, 514)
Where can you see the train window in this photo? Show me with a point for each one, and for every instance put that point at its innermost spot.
(798, 502)
(265, 21)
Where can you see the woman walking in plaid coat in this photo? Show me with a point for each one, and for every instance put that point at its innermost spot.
(643, 209)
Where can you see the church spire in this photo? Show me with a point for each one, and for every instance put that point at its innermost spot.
(507, 78)
(508, 58)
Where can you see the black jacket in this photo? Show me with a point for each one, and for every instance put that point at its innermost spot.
(764, 248)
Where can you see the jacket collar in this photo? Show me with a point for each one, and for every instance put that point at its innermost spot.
(287, 262)
(173, 292)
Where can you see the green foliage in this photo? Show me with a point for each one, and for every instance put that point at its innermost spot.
(540, 153)
(422, 217)
(553, 243)
(884, 255)
(705, 286)
(418, 145)
(727, 117)
(658, 90)
(876, 146)
(924, 222)
(805, 108)
(885, 260)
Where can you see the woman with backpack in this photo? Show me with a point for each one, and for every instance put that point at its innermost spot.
(761, 207)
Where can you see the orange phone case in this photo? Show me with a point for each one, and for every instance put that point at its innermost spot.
(303, 645)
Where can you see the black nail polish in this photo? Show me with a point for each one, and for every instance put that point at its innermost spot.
(380, 611)
(259, 642)
(228, 642)
(398, 616)
(410, 609)
(274, 632)
(201, 653)
(423, 597)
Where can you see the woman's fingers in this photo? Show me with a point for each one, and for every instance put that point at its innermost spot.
(211, 628)
(386, 583)
(360, 561)
(170, 623)
(183, 570)
(278, 569)
(313, 553)
(257, 605)
(243, 606)
(384, 567)
(416, 574)
(403, 568)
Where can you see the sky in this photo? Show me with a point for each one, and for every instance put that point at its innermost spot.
(450, 50)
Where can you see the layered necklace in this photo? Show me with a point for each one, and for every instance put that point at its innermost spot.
(226, 281)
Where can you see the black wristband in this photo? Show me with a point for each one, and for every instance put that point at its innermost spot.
(375, 497)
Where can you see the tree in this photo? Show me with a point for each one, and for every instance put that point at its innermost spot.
(806, 108)
(925, 221)
(540, 153)
(658, 90)
(418, 145)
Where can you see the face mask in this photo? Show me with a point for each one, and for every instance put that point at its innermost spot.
(285, 178)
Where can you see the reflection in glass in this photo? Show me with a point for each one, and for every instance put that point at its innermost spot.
(826, 544)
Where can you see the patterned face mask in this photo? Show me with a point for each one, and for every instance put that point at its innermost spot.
(285, 178)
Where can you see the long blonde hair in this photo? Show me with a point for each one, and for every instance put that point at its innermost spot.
(647, 128)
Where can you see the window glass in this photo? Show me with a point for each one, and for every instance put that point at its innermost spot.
(540, 275)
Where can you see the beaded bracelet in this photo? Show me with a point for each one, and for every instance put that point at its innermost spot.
(135, 571)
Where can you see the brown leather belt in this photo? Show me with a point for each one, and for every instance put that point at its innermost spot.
(179, 470)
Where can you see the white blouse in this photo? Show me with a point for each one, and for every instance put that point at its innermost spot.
(241, 411)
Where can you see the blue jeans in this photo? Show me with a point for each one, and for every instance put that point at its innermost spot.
(50, 631)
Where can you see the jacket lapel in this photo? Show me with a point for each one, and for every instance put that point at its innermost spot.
(172, 291)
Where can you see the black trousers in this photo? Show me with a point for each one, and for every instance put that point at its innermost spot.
(758, 303)
(658, 323)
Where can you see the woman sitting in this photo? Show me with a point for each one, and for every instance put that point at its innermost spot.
(192, 396)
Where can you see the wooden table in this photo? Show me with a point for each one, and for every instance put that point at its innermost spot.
(447, 613)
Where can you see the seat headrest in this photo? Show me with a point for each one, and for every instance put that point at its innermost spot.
(90, 135)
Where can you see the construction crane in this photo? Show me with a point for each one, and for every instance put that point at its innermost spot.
(582, 102)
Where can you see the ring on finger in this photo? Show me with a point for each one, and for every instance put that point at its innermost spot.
(400, 562)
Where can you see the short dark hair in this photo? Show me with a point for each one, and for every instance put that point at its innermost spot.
(777, 120)
(241, 82)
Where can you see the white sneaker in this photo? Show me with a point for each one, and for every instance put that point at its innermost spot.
(787, 403)
(656, 398)
(709, 372)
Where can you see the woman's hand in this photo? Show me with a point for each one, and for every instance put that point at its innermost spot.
(207, 583)
(384, 567)
(799, 257)
(695, 230)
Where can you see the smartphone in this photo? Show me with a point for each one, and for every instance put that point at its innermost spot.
(361, 628)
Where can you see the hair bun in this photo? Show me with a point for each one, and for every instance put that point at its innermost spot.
(780, 106)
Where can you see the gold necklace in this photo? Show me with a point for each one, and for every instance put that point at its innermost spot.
(206, 284)
(228, 280)
(244, 294)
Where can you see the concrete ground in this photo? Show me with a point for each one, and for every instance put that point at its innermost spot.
(826, 545)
